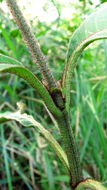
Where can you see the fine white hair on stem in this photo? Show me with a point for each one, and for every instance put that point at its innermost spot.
(31, 42)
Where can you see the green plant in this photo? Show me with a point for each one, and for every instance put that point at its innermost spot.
(57, 99)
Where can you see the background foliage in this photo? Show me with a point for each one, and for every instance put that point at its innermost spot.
(26, 160)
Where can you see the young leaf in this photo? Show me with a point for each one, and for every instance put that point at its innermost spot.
(34, 82)
(90, 184)
(28, 121)
(93, 28)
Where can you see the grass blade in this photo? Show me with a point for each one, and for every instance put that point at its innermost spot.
(8, 40)
(9, 180)
(49, 172)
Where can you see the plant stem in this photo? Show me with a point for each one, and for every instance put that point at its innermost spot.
(71, 149)
(31, 42)
(63, 120)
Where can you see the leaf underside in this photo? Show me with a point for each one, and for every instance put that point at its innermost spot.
(28, 121)
(93, 28)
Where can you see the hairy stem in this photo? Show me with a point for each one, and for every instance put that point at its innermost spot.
(71, 149)
(63, 121)
(31, 42)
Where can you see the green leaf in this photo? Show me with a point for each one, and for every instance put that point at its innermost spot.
(28, 121)
(34, 82)
(8, 40)
(93, 28)
(16, 167)
(7, 59)
(6, 161)
(91, 185)
(49, 171)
